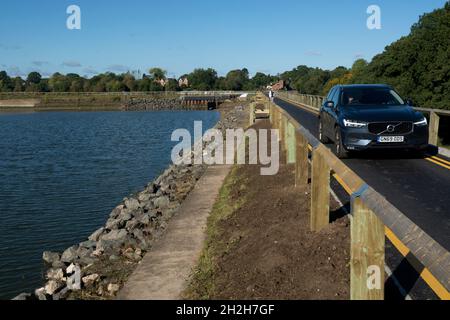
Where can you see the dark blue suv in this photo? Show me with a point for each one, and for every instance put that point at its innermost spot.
(361, 117)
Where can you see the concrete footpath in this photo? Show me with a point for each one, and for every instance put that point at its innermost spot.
(163, 272)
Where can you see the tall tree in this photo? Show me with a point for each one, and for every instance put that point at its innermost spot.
(157, 73)
(236, 79)
(203, 79)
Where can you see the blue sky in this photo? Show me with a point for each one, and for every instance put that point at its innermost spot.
(267, 36)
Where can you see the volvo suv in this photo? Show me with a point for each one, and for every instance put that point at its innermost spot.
(361, 117)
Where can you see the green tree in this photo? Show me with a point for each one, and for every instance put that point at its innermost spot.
(157, 73)
(34, 78)
(6, 83)
(202, 79)
(155, 86)
(59, 83)
(19, 84)
(172, 85)
(130, 82)
(261, 80)
(236, 79)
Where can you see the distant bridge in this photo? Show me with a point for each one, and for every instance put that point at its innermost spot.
(212, 100)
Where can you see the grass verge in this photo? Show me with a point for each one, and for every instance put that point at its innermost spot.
(201, 284)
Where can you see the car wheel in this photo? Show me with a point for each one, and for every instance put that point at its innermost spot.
(324, 139)
(339, 148)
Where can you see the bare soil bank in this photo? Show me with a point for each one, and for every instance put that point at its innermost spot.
(259, 245)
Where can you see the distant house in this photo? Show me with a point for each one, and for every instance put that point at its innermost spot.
(278, 86)
(162, 82)
(183, 82)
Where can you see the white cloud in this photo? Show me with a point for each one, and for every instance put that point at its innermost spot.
(72, 64)
(90, 70)
(39, 63)
(118, 68)
(313, 53)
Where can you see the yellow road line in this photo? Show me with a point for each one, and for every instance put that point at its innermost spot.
(438, 163)
(434, 284)
(343, 184)
(441, 160)
(425, 274)
(396, 241)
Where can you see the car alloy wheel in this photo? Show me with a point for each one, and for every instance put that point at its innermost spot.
(340, 151)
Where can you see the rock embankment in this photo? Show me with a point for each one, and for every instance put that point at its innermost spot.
(147, 104)
(143, 104)
(97, 268)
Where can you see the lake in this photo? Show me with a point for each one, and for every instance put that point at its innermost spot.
(61, 173)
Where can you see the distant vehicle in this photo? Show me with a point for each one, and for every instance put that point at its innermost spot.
(361, 117)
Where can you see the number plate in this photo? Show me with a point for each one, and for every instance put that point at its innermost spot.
(391, 139)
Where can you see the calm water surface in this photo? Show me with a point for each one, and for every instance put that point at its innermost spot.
(61, 173)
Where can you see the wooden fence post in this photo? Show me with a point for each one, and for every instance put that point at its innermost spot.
(275, 118)
(301, 161)
(366, 254)
(270, 113)
(291, 154)
(282, 133)
(252, 113)
(280, 128)
(434, 129)
(320, 190)
(285, 135)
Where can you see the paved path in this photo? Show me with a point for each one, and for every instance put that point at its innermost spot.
(163, 272)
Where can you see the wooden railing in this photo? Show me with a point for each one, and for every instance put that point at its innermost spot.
(313, 104)
(373, 216)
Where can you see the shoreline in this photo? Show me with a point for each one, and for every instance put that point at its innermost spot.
(10, 110)
(126, 101)
(105, 260)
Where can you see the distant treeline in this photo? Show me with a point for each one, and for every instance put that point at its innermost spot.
(417, 65)
(155, 80)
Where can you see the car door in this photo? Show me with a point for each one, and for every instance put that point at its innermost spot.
(326, 116)
(333, 114)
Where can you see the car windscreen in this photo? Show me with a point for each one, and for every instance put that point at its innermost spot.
(370, 96)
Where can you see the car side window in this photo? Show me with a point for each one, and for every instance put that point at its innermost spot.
(330, 95)
(335, 97)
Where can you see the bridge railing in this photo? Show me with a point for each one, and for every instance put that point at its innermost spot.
(313, 103)
(373, 217)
